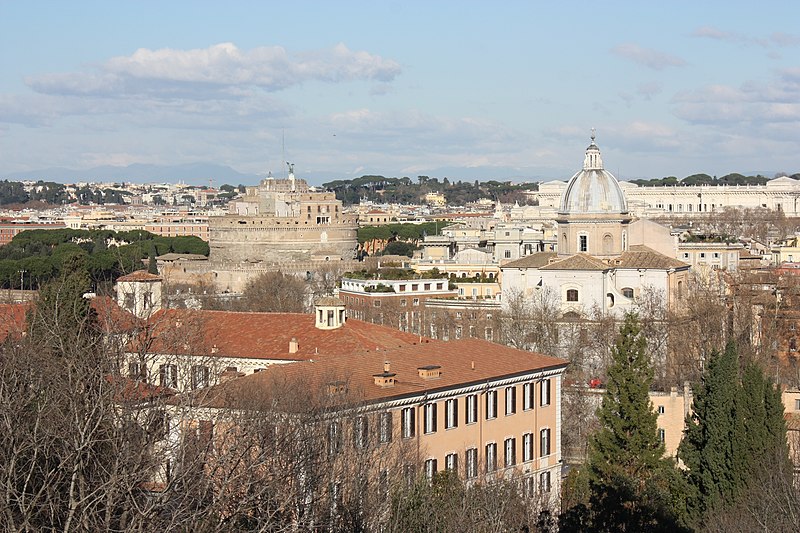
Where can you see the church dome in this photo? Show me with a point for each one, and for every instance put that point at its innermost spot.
(593, 190)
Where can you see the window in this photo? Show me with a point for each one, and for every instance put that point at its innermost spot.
(471, 460)
(415, 301)
(199, 376)
(472, 409)
(430, 468)
(510, 452)
(544, 481)
(451, 414)
(407, 422)
(459, 332)
(385, 429)
(334, 438)
(507, 254)
(410, 474)
(427, 286)
(129, 301)
(137, 370)
(415, 286)
(627, 292)
(360, 432)
(528, 396)
(662, 434)
(429, 418)
(716, 255)
(511, 400)
(545, 392)
(572, 295)
(544, 442)
(661, 409)
(491, 404)
(168, 376)
(797, 405)
(528, 487)
(583, 243)
(439, 286)
(376, 303)
(686, 255)
(403, 302)
(527, 447)
(451, 462)
(488, 334)
(491, 457)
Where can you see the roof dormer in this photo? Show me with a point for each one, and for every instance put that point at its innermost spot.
(329, 313)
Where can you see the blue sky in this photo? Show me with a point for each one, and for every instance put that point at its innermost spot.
(461, 89)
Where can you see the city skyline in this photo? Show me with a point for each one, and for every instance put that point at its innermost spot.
(465, 90)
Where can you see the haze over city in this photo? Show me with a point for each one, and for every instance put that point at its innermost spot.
(462, 89)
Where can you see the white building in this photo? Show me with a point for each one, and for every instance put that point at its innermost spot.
(605, 259)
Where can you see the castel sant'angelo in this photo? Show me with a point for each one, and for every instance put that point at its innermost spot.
(283, 220)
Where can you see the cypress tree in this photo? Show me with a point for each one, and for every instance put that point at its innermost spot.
(152, 265)
(630, 479)
(735, 430)
(707, 447)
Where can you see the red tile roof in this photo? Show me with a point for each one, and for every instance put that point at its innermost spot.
(140, 275)
(264, 335)
(12, 320)
(356, 370)
(112, 318)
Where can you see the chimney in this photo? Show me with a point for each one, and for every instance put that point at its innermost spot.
(293, 346)
(473, 365)
(386, 367)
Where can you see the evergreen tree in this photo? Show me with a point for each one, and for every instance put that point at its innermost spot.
(735, 429)
(707, 447)
(152, 265)
(630, 480)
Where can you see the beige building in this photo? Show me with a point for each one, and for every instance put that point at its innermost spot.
(481, 410)
(283, 220)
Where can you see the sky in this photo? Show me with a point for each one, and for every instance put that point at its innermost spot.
(463, 89)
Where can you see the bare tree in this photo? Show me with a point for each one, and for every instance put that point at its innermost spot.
(275, 292)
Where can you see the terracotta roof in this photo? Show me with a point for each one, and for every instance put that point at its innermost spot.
(330, 301)
(264, 335)
(640, 256)
(357, 370)
(12, 320)
(537, 260)
(112, 318)
(792, 421)
(140, 275)
(578, 262)
(130, 390)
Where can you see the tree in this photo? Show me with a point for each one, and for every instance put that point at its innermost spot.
(152, 264)
(275, 292)
(707, 446)
(630, 480)
(735, 430)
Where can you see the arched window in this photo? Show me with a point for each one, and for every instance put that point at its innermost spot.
(627, 292)
(610, 300)
(563, 243)
(572, 295)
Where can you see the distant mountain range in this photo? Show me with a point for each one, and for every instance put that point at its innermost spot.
(192, 173)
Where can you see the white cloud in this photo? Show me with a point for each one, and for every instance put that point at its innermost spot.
(647, 57)
(221, 70)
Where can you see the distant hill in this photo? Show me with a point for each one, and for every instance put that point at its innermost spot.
(192, 173)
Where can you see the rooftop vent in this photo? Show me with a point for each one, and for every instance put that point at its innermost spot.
(385, 378)
(294, 346)
(430, 372)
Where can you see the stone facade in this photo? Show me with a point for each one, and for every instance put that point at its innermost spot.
(283, 220)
